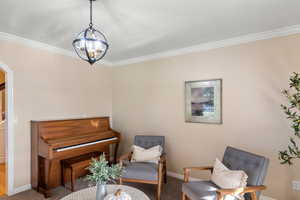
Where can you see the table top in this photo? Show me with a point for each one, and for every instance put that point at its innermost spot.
(90, 193)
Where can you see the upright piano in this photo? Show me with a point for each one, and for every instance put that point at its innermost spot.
(53, 141)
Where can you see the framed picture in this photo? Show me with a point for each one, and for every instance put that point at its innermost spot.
(203, 101)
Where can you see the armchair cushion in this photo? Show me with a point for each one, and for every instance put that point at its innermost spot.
(139, 154)
(203, 190)
(140, 171)
(228, 179)
(200, 190)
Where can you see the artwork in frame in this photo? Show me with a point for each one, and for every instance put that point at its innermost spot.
(203, 101)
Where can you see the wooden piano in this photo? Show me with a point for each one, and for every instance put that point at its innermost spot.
(53, 141)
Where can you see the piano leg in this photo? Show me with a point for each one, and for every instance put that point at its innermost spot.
(116, 152)
(47, 176)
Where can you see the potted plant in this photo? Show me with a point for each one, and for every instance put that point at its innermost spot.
(292, 110)
(101, 174)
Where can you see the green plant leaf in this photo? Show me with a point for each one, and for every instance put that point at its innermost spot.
(101, 172)
(292, 110)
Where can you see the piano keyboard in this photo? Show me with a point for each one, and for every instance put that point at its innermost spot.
(85, 144)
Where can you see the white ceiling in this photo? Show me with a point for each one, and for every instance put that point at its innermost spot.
(136, 28)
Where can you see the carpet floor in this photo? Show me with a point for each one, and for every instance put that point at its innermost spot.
(171, 191)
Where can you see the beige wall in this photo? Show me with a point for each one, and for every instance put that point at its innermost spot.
(51, 86)
(149, 98)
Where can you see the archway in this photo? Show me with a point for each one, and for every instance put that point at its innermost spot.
(9, 140)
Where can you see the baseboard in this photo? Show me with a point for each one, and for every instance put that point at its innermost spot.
(180, 176)
(266, 198)
(21, 189)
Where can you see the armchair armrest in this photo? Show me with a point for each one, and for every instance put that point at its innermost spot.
(199, 168)
(250, 189)
(126, 156)
(162, 159)
(187, 171)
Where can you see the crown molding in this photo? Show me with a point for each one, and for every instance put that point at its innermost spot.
(214, 45)
(289, 30)
(43, 46)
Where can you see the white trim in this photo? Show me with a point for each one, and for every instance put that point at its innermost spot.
(21, 189)
(180, 176)
(9, 143)
(284, 31)
(266, 198)
(43, 46)
(214, 45)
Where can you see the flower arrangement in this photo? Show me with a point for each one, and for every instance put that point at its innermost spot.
(292, 110)
(102, 173)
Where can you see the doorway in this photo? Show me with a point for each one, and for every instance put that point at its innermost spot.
(6, 131)
(2, 135)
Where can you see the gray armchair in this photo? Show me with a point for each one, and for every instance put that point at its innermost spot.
(255, 167)
(144, 172)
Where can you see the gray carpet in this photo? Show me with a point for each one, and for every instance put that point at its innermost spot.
(171, 191)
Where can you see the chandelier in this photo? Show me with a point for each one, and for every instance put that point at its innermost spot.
(90, 45)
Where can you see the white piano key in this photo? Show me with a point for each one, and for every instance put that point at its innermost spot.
(85, 144)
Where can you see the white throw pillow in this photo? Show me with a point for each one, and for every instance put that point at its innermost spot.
(228, 179)
(140, 154)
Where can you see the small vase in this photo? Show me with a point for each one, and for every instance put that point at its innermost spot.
(101, 192)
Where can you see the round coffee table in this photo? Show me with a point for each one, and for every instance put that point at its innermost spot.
(90, 193)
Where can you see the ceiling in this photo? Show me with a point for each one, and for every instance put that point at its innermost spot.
(136, 28)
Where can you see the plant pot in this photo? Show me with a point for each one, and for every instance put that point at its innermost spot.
(101, 192)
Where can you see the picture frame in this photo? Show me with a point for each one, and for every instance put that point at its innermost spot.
(203, 101)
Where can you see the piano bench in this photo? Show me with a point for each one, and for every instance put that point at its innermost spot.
(75, 167)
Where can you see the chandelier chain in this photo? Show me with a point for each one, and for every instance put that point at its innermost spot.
(91, 13)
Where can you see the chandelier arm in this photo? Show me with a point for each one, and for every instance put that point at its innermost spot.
(73, 43)
(104, 52)
(85, 49)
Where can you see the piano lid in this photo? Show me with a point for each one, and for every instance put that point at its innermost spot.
(59, 129)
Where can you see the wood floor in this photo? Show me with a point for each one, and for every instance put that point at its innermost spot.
(2, 179)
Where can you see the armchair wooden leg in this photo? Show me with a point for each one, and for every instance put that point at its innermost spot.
(183, 196)
(165, 172)
(220, 197)
(253, 196)
(159, 186)
(160, 179)
(120, 181)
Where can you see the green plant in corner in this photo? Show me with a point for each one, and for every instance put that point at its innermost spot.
(292, 110)
(102, 173)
